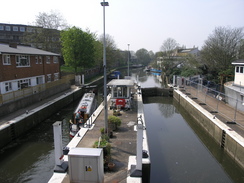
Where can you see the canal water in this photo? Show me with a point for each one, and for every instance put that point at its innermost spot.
(180, 151)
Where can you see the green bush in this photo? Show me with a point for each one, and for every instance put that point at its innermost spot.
(115, 120)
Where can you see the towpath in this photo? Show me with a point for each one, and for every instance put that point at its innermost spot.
(220, 109)
(11, 116)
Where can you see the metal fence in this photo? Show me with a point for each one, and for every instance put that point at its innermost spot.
(215, 100)
(15, 95)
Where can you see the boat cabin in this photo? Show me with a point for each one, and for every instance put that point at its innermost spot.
(120, 93)
(83, 112)
(86, 106)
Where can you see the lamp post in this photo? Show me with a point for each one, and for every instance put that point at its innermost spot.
(105, 70)
(128, 60)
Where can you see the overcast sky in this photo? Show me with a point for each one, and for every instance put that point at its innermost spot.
(140, 23)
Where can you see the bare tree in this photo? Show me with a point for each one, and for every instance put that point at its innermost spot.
(52, 20)
(221, 48)
(168, 47)
(241, 50)
(45, 34)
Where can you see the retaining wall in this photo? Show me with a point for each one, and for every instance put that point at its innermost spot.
(15, 128)
(229, 140)
(26, 101)
(154, 91)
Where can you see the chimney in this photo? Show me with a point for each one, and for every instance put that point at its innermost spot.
(13, 45)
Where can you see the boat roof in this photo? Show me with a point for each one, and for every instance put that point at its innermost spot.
(86, 102)
(121, 82)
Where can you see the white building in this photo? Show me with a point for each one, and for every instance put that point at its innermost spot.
(235, 90)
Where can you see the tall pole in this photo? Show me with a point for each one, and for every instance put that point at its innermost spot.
(105, 71)
(128, 60)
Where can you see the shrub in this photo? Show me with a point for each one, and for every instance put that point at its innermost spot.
(115, 120)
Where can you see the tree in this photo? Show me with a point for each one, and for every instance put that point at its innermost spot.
(78, 48)
(52, 20)
(220, 49)
(143, 56)
(46, 32)
(168, 47)
(168, 66)
(241, 50)
(110, 50)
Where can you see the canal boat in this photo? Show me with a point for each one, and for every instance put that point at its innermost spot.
(147, 69)
(156, 70)
(121, 94)
(82, 113)
(114, 75)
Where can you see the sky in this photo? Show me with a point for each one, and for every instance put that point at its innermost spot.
(139, 23)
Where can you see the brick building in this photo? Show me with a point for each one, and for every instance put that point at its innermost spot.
(25, 66)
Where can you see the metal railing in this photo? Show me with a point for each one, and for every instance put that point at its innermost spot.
(215, 100)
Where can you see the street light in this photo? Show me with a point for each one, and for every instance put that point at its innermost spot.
(128, 60)
(105, 71)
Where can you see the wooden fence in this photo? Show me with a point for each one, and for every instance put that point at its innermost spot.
(15, 95)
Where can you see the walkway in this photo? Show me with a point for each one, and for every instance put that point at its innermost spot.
(123, 143)
(11, 116)
(219, 108)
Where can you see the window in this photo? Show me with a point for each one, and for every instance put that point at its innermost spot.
(241, 69)
(40, 59)
(48, 78)
(242, 99)
(15, 28)
(8, 86)
(55, 59)
(24, 83)
(22, 61)
(39, 80)
(56, 76)
(120, 91)
(48, 59)
(6, 60)
(7, 28)
(36, 59)
(237, 69)
(22, 29)
(1, 27)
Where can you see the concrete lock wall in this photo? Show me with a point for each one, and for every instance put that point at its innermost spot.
(21, 103)
(147, 92)
(20, 125)
(232, 142)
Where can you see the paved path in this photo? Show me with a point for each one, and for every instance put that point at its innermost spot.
(10, 116)
(225, 112)
(123, 143)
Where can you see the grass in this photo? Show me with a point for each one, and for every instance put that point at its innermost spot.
(65, 68)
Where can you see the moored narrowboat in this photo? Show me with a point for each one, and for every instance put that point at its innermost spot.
(82, 113)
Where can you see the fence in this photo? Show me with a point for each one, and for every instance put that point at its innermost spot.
(15, 95)
(216, 101)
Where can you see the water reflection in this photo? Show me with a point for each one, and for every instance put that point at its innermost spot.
(31, 158)
(177, 154)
